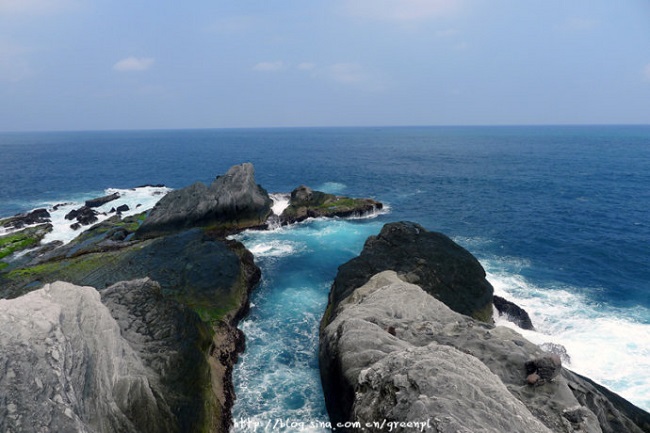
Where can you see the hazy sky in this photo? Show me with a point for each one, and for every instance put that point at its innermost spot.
(116, 64)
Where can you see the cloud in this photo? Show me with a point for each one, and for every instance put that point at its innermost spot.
(31, 7)
(134, 64)
(401, 10)
(269, 66)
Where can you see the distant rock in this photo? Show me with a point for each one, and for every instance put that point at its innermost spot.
(395, 353)
(84, 216)
(232, 202)
(307, 203)
(37, 216)
(99, 201)
(513, 313)
(441, 267)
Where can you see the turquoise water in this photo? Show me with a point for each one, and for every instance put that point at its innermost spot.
(558, 216)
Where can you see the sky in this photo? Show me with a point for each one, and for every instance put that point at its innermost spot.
(144, 64)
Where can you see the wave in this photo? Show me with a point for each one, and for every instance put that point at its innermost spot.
(563, 315)
(137, 199)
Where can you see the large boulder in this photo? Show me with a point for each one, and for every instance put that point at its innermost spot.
(67, 366)
(393, 353)
(232, 202)
(441, 267)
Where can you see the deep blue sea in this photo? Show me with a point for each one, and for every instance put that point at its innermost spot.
(559, 216)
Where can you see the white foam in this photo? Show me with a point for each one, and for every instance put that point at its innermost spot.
(609, 345)
(280, 202)
(275, 248)
(138, 200)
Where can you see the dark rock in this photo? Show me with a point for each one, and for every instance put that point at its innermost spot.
(513, 312)
(458, 373)
(233, 202)
(546, 367)
(99, 201)
(307, 203)
(122, 208)
(441, 267)
(37, 216)
(84, 216)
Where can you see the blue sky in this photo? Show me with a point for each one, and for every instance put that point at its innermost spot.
(100, 64)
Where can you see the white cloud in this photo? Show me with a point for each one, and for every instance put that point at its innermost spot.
(33, 6)
(134, 64)
(401, 10)
(646, 72)
(269, 66)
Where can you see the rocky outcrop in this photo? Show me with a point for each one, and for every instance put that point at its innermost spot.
(513, 313)
(307, 203)
(99, 201)
(394, 353)
(184, 330)
(60, 373)
(37, 216)
(21, 240)
(232, 202)
(441, 267)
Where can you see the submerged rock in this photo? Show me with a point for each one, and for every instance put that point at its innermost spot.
(451, 372)
(441, 267)
(232, 202)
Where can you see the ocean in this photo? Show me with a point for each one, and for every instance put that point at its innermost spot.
(559, 216)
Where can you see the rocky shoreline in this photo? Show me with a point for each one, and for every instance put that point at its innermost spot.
(397, 343)
(153, 277)
(132, 326)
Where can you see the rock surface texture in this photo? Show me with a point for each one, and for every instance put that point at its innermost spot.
(232, 202)
(431, 260)
(69, 367)
(393, 352)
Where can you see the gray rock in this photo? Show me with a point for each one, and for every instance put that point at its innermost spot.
(232, 202)
(67, 368)
(446, 368)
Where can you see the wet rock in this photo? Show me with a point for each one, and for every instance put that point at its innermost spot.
(37, 216)
(99, 201)
(513, 312)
